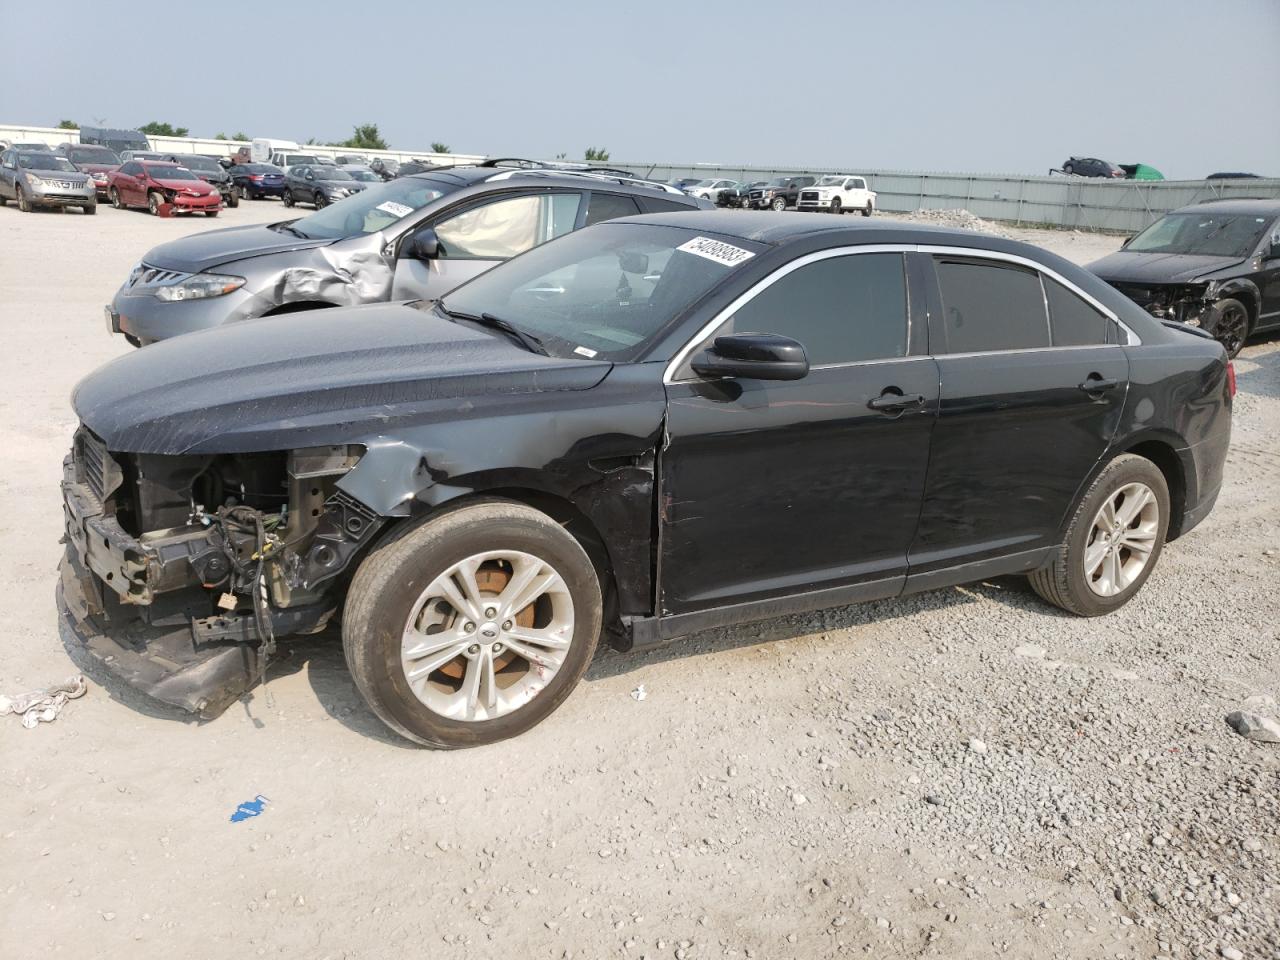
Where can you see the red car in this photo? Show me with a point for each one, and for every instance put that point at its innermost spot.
(153, 183)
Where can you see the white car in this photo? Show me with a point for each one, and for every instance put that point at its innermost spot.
(838, 193)
(709, 189)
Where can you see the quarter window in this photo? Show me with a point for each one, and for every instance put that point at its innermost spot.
(841, 309)
(1073, 322)
(507, 227)
(988, 307)
(609, 206)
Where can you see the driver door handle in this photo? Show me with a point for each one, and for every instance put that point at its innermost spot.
(1095, 384)
(895, 401)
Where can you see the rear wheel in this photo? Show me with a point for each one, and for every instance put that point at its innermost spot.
(1068, 168)
(233, 198)
(867, 210)
(287, 197)
(114, 196)
(1113, 541)
(1229, 325)
(472, 627)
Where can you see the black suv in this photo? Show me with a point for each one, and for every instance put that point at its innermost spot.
(416, 236)
(779, 193)
(643, 429)
(1213, 265)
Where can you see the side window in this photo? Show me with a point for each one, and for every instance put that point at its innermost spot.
(859, 184)
(1072, 321)
(507, 227)
(841, 309)
(130, 169)
(609, 206)
(661, 205)
(991, 307)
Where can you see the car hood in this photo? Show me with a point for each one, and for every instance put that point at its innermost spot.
(313, 378)
(199, 186)
(75, 176)
(206, 250)
(1130, 267)
(340, 184)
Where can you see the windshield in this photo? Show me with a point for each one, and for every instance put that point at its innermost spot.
(779, 182)
(293, 159)
(372, 209)
(92, 155)
(704, 183)
(830, 181)
(366, 176)
(167, 172)
(603, 292)
(200, 163)
(333, 173)
(1205, 234)
(44, 161)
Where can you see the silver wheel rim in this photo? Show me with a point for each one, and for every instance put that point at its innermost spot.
(487, 635)
(1121, 540)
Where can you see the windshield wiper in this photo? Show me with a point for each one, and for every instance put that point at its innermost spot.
(526, 340)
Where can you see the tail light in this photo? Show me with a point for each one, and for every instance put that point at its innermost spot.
(255, 176)
(1231, 379)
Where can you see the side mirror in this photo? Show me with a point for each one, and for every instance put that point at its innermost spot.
(424, 245)
(755, 356)
(310, 175)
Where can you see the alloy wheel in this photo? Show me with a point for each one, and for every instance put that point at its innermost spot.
(1121, 539)
(1231, 328)
(487, 635)
(321, 200)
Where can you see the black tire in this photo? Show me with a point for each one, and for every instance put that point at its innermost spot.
(233, 198)
(868, 209)
(4, 201)
(287, 198)
(319, 201)
(1063, 583)
(114, 196)
(1229, 324)
(90, 209)
(211, 213)
(392, 579)
(1069, 169)
(24, 202)
(835, 206)
(154, 200)
(779, 204)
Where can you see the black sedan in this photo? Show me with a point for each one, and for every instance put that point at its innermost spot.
(1092, 167)
(318, 185)
(254, 181)
(642, 429)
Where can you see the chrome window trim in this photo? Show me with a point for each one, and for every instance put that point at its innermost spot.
(668, 375)
(1132, 338)
(974, 252)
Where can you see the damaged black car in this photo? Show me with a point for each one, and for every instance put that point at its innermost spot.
(1213, 265)
(640, 430)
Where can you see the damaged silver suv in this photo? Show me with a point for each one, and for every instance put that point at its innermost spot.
(417, 236)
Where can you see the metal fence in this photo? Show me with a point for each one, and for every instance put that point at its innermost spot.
(1078, 203)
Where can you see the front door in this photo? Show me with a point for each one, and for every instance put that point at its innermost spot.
(774, 488)
(479, 236)
(1033, 383)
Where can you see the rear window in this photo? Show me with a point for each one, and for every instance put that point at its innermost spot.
(987, 307)
(1073, 322)
(609, 206)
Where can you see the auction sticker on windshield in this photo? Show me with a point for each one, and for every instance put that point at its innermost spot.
(717, 250)
(395, 209)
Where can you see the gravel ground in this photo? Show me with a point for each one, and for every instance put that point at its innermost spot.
(961, 774)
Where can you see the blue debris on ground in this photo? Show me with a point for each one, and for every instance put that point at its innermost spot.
(250, 808)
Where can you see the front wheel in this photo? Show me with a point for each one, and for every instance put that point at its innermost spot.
(472, 627)
(779, 204)
(154, 200)
(233, 198)
(114, 196)
(90, 209)
(24, 202)
(211, 213)
(835, 206)
(287, 197)
(1229, 325)
(1113, 541)
(319, 200)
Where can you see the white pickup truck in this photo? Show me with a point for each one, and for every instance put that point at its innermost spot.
(838, 193)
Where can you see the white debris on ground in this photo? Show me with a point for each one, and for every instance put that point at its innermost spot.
(952, 220)
(43, 706)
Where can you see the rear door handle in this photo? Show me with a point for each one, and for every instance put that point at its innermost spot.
(895, 401)
(1095, 384)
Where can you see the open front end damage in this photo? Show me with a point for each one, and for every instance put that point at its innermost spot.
(1190, 303)
(180, 571)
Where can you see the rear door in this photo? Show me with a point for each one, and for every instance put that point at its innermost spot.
(1033, 383)
(773, 488)
(479, 235)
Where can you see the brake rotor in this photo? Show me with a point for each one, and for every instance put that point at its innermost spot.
(491, 581)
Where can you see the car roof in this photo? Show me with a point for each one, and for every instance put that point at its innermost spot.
(474, 175)
(1258, 206)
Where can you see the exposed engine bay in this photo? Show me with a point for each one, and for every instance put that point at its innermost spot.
(1189, 303)
(229, 548)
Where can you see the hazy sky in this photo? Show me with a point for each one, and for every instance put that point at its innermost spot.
(984, 86)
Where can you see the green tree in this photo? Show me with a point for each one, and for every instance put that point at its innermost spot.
(599, 154)
(438, 147)
(158, 129)
(365, 137)
(68, 125)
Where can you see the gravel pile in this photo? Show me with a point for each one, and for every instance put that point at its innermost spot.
(952, 219)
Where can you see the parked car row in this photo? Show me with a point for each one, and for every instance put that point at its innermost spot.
(575, 425)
